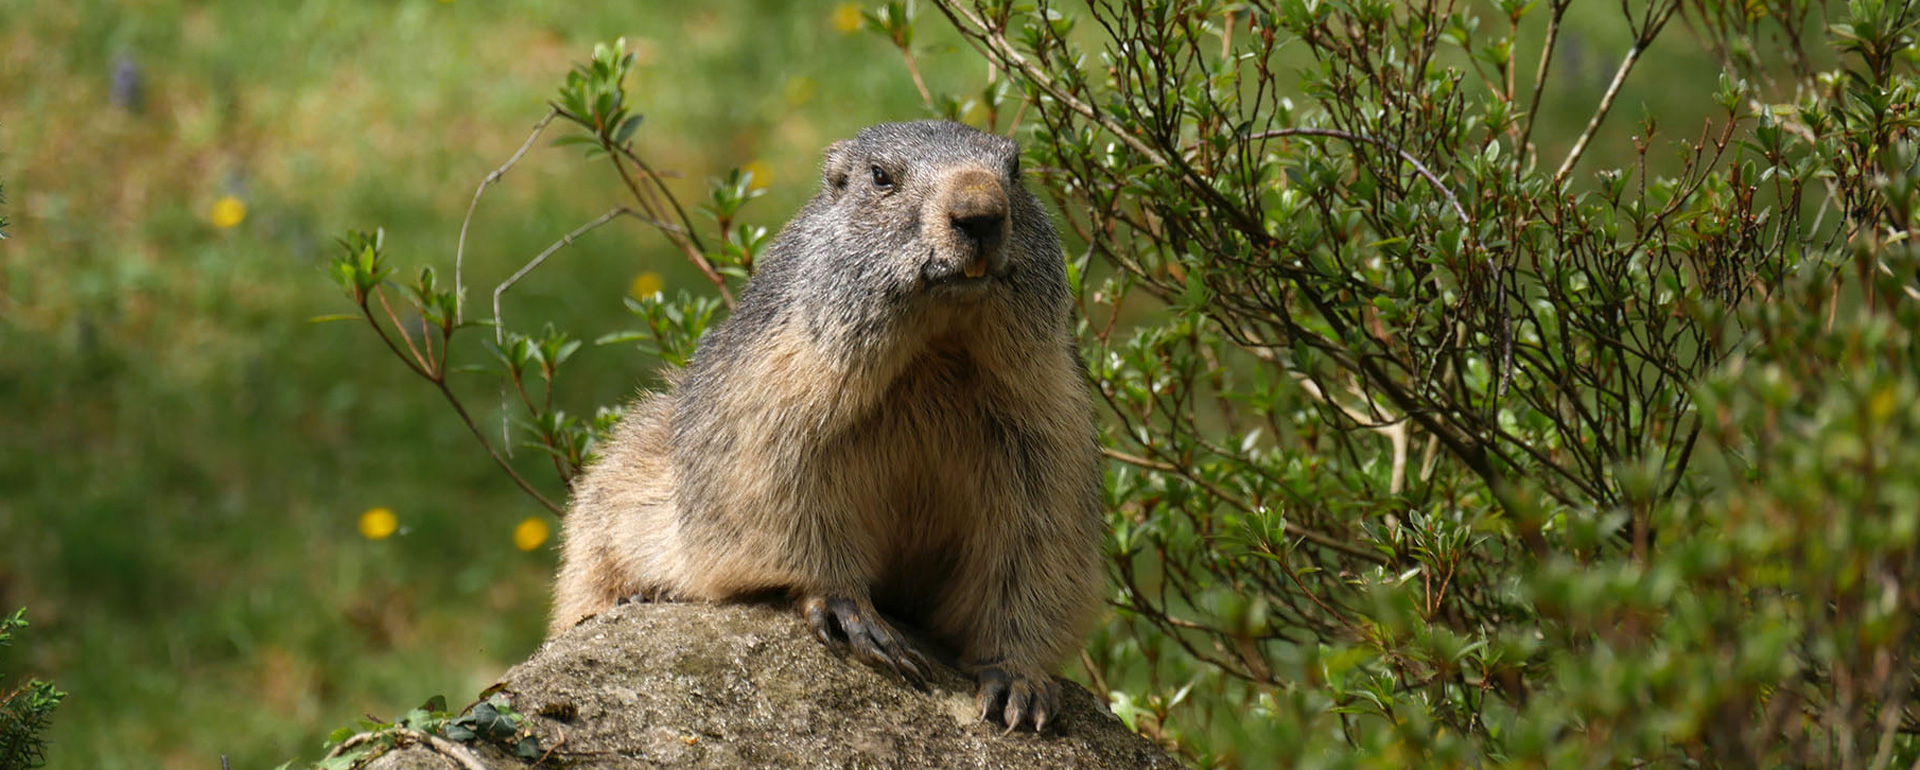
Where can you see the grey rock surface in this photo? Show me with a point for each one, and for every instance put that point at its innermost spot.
(745, 686)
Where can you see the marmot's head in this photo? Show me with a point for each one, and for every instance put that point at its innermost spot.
(936, 208)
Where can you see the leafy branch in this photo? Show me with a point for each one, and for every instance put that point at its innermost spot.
(594, 101)
(489, 722)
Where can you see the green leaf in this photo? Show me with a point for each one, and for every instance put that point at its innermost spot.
(626, 129)
(1196, 289)
(321, 319)
(489, 723)
(615, 338)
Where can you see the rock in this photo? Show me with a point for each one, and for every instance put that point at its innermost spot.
(745, 686)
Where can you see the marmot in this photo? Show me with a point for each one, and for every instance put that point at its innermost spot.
(894, 416)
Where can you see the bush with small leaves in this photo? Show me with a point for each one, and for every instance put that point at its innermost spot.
(24, 710)
(1430, 446)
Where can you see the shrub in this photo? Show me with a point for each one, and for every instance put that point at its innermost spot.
(1433, 440)
(1429, 447)
(24, 710)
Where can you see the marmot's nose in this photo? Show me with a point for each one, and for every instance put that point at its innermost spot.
(977, 205)
(981, 228)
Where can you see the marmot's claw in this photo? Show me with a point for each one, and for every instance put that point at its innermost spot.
(870, 638)
(817, 622)
(1029, 700)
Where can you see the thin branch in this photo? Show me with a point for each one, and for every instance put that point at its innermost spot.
(499, 322)
(460, 250)
(1394, 428)
(1418, 167)
(449, 749)
(1540, 76)
(402, 329)
(1096, 677)
(461, 410)
(686, 225)
(350, 744)
(1141, 462)
(687, 247)
(1640, 43)
(1013, 126)
(682, 236)
(913, 69)
(1288, 527)
(367, 312)
(978, 33)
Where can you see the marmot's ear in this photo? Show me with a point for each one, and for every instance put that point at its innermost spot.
(834, 167)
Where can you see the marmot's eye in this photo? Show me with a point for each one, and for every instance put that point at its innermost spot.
(880, 178)
(1015, 170)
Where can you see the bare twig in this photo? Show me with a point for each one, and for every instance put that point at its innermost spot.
(678, 236)
(1098, 678)
(913, 70)
(682, 236)
(351, 743)
(449, 749)
(525, 486)
(460, 250)
(454, 751)
(1659, 18)
(499, 320)
(686, 225)
(1394, 429)
(1540, 78)
(367, 312)
(401, 328)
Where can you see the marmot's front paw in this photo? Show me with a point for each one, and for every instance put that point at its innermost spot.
(872, 640)
(1031, 698)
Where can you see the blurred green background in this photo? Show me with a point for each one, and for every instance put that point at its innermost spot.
(186, 459)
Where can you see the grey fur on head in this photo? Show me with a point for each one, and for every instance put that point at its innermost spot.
(861, 248)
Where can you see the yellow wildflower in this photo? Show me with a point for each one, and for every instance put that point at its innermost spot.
(531, 533)
(847, 19)
(646, 285)
(227, 212)
(378, 523)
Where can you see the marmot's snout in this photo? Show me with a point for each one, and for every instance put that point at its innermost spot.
(967, 226)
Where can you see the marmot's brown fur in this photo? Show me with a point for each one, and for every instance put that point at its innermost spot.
(894, 416)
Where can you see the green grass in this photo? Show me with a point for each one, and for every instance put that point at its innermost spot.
(184, 457)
